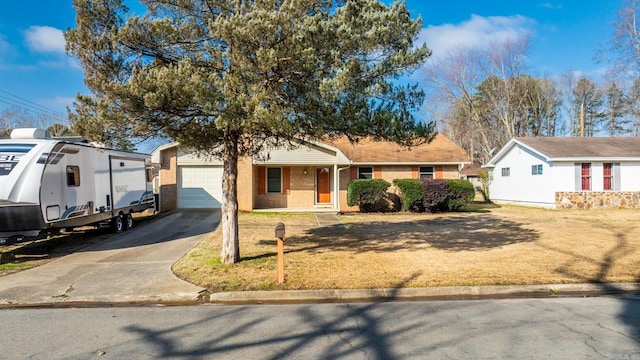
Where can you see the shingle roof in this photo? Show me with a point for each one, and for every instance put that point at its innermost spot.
(470, 170)
(584, 147)
(439, 150)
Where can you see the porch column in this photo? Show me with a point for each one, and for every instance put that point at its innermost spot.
(336, 187)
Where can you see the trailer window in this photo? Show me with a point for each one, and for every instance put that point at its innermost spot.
(73, 176)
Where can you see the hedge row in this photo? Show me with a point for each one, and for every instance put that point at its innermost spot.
(418, 195)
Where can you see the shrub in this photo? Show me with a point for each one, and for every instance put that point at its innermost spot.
(366, 193)
(461, 193)
(411, 194)
(485, 180)
(436, 193)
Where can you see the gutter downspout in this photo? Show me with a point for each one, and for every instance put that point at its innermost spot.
(337, 182)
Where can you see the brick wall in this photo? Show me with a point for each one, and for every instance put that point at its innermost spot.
(390, 173)
(302, 186)
(301, 192)
(168, 179)
(598, 200)
(246, 185)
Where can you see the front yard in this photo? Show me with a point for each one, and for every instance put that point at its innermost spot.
(488, 245)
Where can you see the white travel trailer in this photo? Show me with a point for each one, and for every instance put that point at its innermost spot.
(51, 184)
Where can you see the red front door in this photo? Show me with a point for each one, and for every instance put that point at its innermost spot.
(323, 185)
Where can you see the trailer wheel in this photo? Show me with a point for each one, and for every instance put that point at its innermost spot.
(118, 223)
(128, 221)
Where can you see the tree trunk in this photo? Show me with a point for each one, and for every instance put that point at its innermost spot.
(582, 119)
(230, 242)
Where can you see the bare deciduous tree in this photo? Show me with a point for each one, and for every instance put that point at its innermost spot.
(623, 49)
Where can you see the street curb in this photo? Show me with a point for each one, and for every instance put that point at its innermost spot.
(451, 293)
(418, 294)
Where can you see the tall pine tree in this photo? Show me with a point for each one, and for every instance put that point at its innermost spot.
(229, 77)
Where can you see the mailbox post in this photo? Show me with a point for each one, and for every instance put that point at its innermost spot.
(280, 239)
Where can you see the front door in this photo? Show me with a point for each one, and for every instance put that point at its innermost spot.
(323, 185)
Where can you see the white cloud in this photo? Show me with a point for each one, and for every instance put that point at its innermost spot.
(45, 39)
(58, 101)
(477, 31)
(549, 5)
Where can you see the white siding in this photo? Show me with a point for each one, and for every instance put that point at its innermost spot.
(303, 155)
(521, 187)
(565, 176)
(200, 187)
(630, 176)
(193, 159)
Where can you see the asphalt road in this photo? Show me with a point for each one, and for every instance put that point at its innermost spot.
(134, 266)
(559, 328)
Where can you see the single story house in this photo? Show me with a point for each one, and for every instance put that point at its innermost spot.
(311, 176)
(568, 172)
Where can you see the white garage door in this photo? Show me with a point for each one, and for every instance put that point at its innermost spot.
(200, 187)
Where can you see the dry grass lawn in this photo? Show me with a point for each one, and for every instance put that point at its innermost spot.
(485, 246)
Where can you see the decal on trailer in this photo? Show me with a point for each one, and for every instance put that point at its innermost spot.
(74, 211)
(10, 155)
(146, 198)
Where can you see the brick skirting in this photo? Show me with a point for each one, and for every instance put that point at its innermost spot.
(598, 200)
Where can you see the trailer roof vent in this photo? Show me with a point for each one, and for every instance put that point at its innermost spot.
(29, 133)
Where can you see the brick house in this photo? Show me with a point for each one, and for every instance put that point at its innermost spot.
(311, 176)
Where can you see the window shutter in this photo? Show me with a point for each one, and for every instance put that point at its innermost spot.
(262, 180)
(415, 172)
(616, 177)
(286, 180)
(377, 172)
(353, 172)
(438, 170)
(586, 176)
(578, 176)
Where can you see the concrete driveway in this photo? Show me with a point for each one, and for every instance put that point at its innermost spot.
(132, 267)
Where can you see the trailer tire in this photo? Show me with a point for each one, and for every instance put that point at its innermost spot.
(128, 221)
(118, 224)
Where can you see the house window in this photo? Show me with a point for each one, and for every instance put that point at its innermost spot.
(536, 169)
(586, 176)
(365, 172)
(506, 171)
(607, 169)
(274, 180)
(426, 172)
(73, 176)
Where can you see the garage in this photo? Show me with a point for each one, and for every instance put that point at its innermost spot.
(199, 187)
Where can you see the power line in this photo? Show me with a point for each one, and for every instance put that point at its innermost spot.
(28, 105)
(32, 103)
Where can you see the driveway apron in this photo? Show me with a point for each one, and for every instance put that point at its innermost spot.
(132, 267)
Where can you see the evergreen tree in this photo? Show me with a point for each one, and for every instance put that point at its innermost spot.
(616, 111)
(233, 77)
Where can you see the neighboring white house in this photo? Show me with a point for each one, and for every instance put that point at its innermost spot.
(589, 172)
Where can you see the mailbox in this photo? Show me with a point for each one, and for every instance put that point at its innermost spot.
(280, 230)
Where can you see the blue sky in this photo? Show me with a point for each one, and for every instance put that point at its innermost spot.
(36, 74)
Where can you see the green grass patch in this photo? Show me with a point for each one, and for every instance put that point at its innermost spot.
(14, 266)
